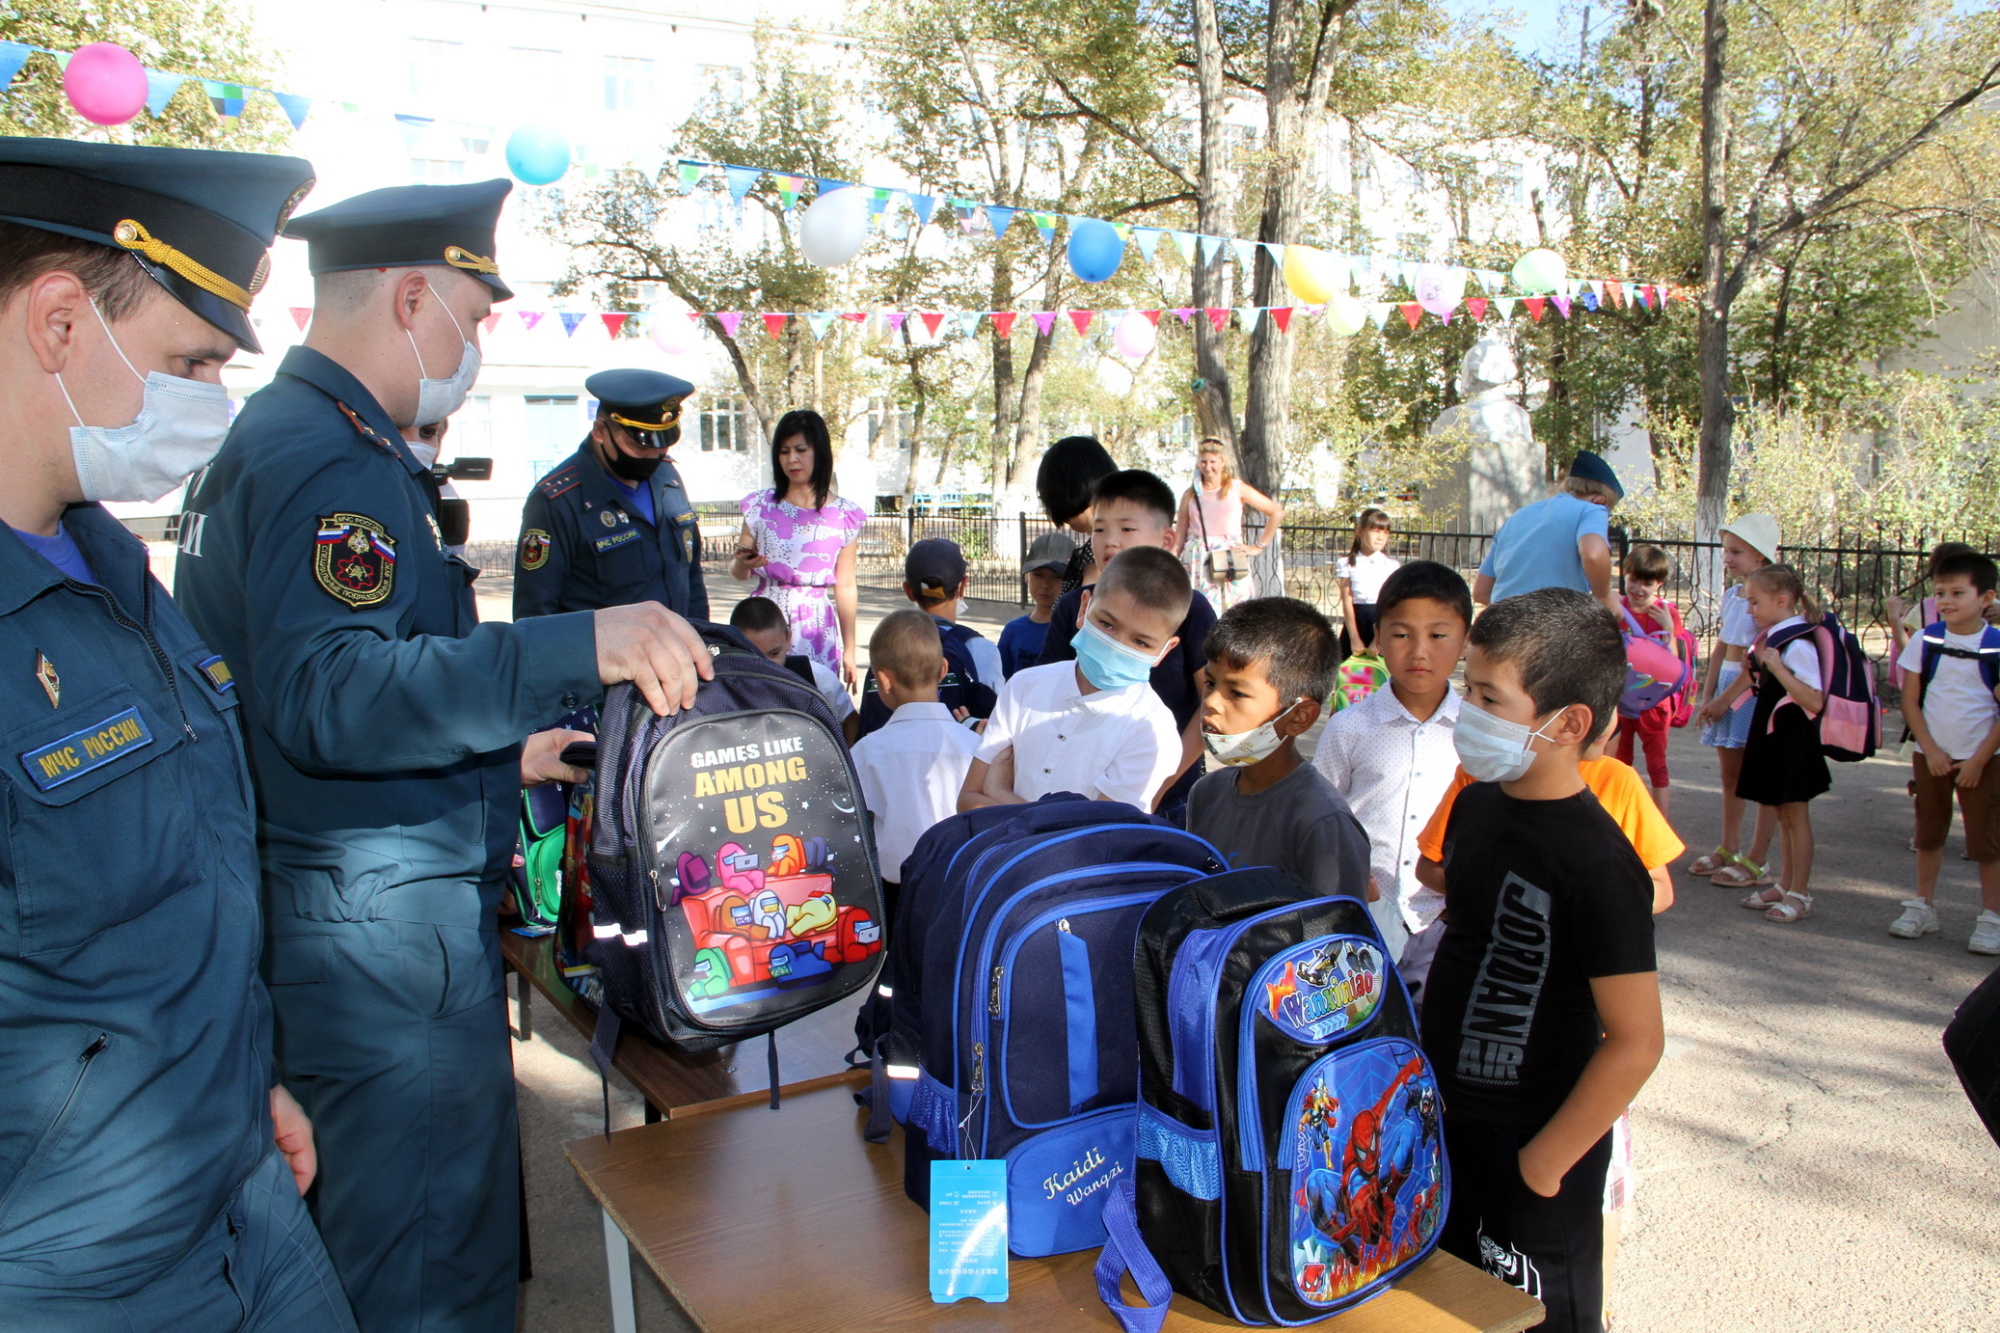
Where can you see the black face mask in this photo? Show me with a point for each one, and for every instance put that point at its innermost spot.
(633, 469)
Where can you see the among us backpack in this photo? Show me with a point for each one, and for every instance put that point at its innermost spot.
(733, 883)
(1012, 1004)
(1291, 1153)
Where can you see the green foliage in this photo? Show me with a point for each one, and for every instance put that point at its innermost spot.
(200, 38)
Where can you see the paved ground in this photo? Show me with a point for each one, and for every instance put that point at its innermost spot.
(1807, 1162)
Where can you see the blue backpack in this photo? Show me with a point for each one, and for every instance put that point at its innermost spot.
(1987, 653)
(1291, 1153)
(960, 688)
(732, 866)
(1019, 1006)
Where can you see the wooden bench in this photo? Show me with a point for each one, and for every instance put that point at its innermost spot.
(757, 1220)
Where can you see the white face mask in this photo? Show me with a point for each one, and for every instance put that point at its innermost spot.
(1493, 749)
(1242, 748)
(180, 427)
(426, 451)
(438, 399)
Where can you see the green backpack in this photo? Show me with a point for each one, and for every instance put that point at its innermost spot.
(538, 879)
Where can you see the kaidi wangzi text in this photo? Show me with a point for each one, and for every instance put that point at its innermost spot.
(750, 768)
(1070, 1184)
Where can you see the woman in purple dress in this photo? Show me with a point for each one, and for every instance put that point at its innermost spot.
(800, 541)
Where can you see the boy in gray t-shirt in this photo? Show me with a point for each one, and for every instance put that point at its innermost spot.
(1270, 663)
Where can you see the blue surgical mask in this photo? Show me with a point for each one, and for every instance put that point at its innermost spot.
(1107, 663)
(179, 430)
(438, 399)
(1492, 749)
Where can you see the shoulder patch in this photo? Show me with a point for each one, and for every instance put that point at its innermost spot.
(534, 549)
(354, 560)
(368, 432)
(563, 479)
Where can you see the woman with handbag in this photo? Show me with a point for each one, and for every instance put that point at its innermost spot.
(1210, 528)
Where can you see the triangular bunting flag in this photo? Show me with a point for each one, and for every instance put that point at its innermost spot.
(1045, 320)
(878, 199)
(13, 55)
(569, 322)
(775, 324)
(925, 205)
(1379, 312)
(1536, 305)
(968, 322)
(1123, 229)
(1640, 294)
(1247, 314)
(1506, 306)
(1476, 307)
(826, 186)
(228, 97)
(740, 180)
(1218, 317)
(931, 319)
(1183, 313)
(998, 218)
(1186, 241)
(821, 321)
(1003, 321)
(1413, 313)
(690, 174)
(729, 320)
(490, 323)
(1045, 223)
(1211, 246)
(161, 87)
(1153, 315)
(1590, 302)
(1246, 255)
(788, 191)
(1277, 253)
(413, 127)
(1081, 318)
(613, 321)
(854, 316)
(1561, 305)
(1149, 241)
(300, 315)
(894, 319)
(529, 318)
(1282, 316)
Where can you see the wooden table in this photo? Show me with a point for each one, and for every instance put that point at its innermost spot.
(674, 1083)
(759, 1220)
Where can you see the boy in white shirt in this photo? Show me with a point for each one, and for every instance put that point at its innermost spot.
(913, 766)
(763, 623)
(1392, 755)
(1093, 726)
(1949, 670)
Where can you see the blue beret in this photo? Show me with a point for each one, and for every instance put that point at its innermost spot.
(409, 226)
(198, 221)
(1591, 467)
(640, 399)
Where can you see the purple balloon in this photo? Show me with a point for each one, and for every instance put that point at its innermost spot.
(105, 83)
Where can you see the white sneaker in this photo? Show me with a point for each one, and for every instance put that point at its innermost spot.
(1919, 918)
(1985, 934)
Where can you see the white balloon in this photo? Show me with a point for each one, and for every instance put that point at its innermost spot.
(1345, 315)
(673, 330)
(835, 227)
(1135, 337)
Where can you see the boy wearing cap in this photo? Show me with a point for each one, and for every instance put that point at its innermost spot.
(152, 1167)
(612, 524)
(1561, 542)
(385, 725)
(934, 578)
(1022, 638)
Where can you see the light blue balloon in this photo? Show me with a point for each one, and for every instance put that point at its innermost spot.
(1095, 249)
(538, 154)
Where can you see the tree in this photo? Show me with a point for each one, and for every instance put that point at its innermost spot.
(201, 38)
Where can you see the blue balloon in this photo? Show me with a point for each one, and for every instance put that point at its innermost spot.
(1095, 249)
(538, 154)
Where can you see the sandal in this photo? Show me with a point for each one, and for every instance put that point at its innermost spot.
(1707, 865)
(1793, 907)
(1759, 899)
(1742, 873)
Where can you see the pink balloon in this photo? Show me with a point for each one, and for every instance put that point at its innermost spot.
(674, 332)
(1135, 337)
(105, 83)
(1440, 289)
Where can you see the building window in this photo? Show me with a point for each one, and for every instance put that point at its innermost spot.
(628, 83)
(555, 425)
(900, 429)
(725, 427)
(435, 68)
(436, 170)
(725, 80)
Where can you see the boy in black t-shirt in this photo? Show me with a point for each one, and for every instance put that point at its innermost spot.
(1542, 1010)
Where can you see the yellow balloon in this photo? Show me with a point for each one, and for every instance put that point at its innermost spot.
(1345, 315)
(1313, 275)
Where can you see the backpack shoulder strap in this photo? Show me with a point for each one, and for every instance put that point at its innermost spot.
(801, 667)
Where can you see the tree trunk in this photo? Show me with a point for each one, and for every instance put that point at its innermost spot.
(1267, 405)
(1028, 421)
(1718, 414)
(1005, 405)
(1213, 410)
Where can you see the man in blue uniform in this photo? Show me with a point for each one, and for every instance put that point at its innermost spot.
(385, 728)
(140, 1184)
(613, 525)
